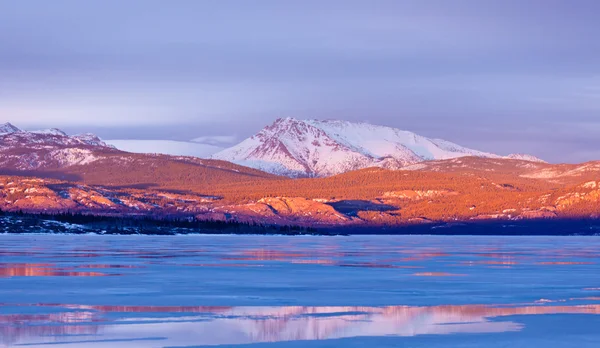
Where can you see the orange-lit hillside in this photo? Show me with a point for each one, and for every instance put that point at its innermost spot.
(460, 189)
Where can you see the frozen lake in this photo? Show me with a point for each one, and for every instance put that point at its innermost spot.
(271, 291)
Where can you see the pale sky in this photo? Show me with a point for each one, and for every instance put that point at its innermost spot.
(496, 75)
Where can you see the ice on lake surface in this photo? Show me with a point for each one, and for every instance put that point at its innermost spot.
(275, 291)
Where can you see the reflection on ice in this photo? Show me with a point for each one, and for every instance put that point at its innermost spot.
(250, 281)
(43, 270)
(564, 263)
(438, 274)
(241, 325)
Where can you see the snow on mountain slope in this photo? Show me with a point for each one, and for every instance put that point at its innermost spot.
(301, 148)
(51, 148)
(295, 148)
(381, 141)
(167, 147)
(51, 131)
(8, 128)
(90, 139)
(11, 136)
(525, 157)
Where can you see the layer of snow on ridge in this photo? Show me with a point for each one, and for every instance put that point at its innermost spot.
(167, 147)
(525, 157)
(320, 148)
(51, 137)
(90, 139)
(381, 141)
(51, 131)
(8, 128)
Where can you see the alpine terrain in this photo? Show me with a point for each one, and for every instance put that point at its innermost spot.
(315, 148)
(439, 182)
(50, 148)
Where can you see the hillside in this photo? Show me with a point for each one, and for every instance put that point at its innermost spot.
(369, 197)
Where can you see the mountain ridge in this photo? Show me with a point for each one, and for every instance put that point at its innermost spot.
(320, 148)
(56, 136)
(49, 148)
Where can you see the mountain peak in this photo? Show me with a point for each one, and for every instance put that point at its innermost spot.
(283, 122)
(8, 128)
(48, 148)
(14, 137)
(300, 148)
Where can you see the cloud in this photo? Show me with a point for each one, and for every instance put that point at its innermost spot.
(216, 139)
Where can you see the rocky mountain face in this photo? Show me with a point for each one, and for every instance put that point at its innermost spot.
(8, 128)
(314, 148)
(51, 148)
(47, 195)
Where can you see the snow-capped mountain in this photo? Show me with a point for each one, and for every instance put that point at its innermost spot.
(300, 148)
(11, 135)
(8, 128)
(25, 150)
